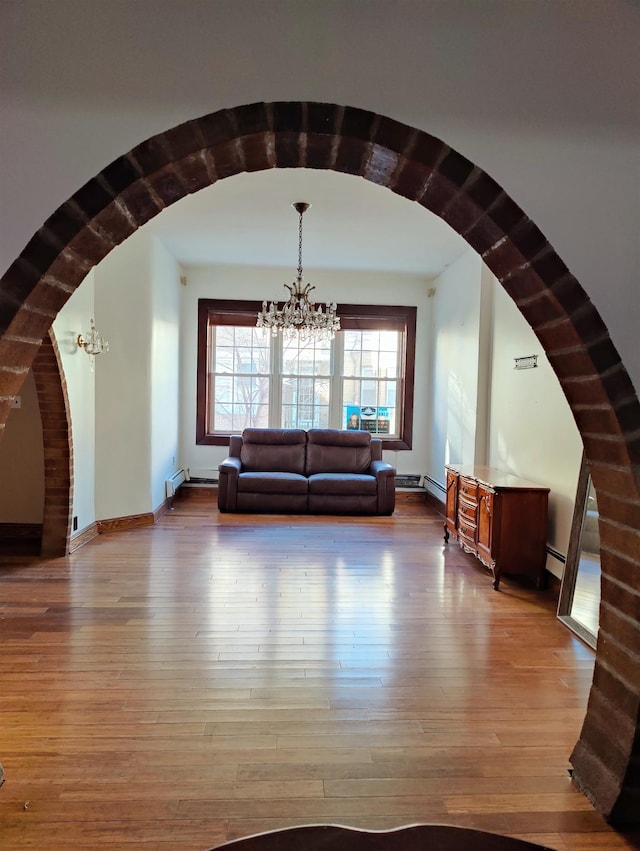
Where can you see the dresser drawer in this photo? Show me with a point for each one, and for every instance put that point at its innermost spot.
(468, 489)
(467, 531)
(467, 510)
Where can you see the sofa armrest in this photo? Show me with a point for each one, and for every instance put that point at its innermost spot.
(228, 484)
(381, 468)
(386, 483)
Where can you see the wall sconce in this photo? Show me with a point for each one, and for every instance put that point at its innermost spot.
(93, 343)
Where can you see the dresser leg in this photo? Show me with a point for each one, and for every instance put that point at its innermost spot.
(446, 534)
(496, 581)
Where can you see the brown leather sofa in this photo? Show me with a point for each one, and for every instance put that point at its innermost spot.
(320, 471)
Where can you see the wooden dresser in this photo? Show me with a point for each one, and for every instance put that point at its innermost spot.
(500, 518)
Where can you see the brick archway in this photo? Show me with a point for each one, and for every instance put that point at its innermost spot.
(51, 389)
(137, 186)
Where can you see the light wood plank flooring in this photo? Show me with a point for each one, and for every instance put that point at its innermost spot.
(213, 676)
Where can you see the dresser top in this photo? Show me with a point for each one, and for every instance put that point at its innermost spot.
(495, 478)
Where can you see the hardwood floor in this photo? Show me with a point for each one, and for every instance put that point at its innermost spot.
(217, 675)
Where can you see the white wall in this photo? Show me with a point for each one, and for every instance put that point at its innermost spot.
(165, 372)
(123, 381)
(250, 282)
(542, 96)
(453, 358)
(137, 310)
(124, 414)
(74, 319)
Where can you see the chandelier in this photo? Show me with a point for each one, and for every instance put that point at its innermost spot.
(299, 315)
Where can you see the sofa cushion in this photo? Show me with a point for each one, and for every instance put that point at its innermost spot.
(266, 482)
(273, 450)
(336, 451)
(347, 484)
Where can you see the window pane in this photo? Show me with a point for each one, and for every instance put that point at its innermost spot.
(351, 339)
(241, 350)
(256, 417)
(371, 353)
(323, 360)
(306, 357)
(352, 363)
(369, 362)
(389, 341)
(370, 340)
(370, 405)
(225, 335)
(304, 388)
(369, 392)
(240, 402)
(305, 402)
(388, 364)
(223, 359)
(305, 416)
(351, 392)
(222, 390)
(239, 378)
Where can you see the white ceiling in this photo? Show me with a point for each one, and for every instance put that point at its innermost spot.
(352, 224)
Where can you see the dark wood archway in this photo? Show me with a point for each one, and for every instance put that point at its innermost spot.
(138, 185)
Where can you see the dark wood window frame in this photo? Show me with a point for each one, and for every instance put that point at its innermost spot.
(365, 317)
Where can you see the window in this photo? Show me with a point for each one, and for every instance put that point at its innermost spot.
(371, 377)
(363, 379)
(240, 378)
(305, 382)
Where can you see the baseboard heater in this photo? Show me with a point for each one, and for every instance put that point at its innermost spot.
(407, 480)
(171, 485)
(434, 483)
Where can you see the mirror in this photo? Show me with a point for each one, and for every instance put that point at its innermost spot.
(579, 602)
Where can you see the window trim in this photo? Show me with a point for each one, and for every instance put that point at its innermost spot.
(378, 317)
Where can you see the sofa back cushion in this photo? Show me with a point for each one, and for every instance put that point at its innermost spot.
(335, 451)
(273, 450)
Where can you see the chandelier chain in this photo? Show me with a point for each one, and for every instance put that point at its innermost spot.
(300, 246)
